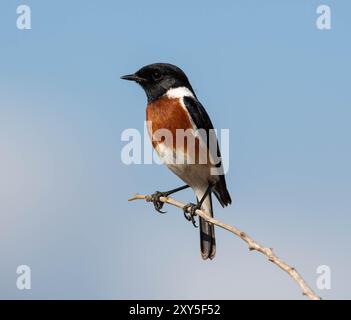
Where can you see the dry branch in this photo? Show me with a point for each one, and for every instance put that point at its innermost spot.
(253, 245)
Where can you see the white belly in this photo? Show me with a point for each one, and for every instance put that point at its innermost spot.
(195, 175)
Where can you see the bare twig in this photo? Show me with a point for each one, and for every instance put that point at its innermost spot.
(253, 245)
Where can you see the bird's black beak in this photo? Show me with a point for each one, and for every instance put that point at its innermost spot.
(132, 77)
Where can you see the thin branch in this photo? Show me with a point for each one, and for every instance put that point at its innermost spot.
(252, 244)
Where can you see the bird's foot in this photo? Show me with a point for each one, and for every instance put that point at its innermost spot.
(155, 197)
(190, 216)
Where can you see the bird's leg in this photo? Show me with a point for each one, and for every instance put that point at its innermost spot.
(190, 216)
(193, 207)
(156, 197)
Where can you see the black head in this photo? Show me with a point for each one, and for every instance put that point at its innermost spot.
(156, 79)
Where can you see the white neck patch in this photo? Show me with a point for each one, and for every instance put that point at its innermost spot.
(179, 92)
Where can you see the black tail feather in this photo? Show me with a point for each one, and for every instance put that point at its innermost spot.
(207, 233)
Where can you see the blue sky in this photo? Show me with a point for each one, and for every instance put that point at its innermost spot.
(261, 68)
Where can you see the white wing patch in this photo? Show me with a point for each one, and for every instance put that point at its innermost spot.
(179, 92)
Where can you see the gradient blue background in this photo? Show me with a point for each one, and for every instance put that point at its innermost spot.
(261, 68)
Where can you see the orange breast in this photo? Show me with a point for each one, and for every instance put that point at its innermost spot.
(166, 113)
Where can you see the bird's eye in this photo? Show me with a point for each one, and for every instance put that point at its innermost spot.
(156, 75)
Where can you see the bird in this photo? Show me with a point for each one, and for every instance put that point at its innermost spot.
(172, 105)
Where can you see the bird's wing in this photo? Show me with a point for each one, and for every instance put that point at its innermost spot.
(202, 120)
